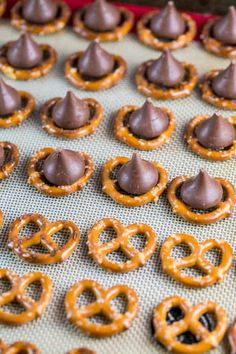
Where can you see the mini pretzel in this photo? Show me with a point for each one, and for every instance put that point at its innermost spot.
(56, 253)
(167, 334)
(124, 134)
(221, 211)
(33, 309)
(72, 74)
(37, 179)
(117, 34)
(213, 274)
(19, 348)
(53, 26)
(96, 116)
(81, 351)
(146, 36)
(159, 92)
(11, 160)
(3, 4)
(99, 251)
(49, 60)
(195, 146)
(79, 316)
(111, 188)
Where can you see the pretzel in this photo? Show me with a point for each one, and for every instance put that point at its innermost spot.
(19, 348)
(56, 253)
(99, 251)
(159, 92)
(111, 188)
(96, 116)
(49, 60)
(3, 4)
(33, 309)
(79, 316)
(36, 178)
(124, 134)
(72, 74)
(213, 274)
(167, 334)
(221, 211)
(18, 21)
(197, 148)
(115, 35)
(11, 159)
(147, 37)
(81, 351)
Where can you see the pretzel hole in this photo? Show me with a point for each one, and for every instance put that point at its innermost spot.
(194, 272)
(87, 297)
(187, 338)
(100, 319)
(34, 290)
(138, 241)
(61, 237)
(29, 230)
(120, 304)
(13, 307)
(209, 321)
(38, 249)
(5, 285)
(175, 314)
(181, 250)
(118, 256)
(107, 235)
(214, 256)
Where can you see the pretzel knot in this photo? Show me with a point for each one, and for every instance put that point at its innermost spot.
(17, 293)
(56, 253)
(118, 322)
(174, 267)
(18, 348)
(169, 334)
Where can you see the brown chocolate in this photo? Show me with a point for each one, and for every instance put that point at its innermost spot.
(24, 53)
(168, 23)
(70, 112)
(224, 84)
(137, 176)
(2, 156)
(10, 99)
(95, 62)
(201, 192)
(148, 121)
(215, 133)
(39, 11)
(101, 16)
(166, 70)
(225, 28)
(232, 338)
(63, 167)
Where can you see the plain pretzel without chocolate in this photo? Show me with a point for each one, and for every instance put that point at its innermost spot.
(11, 160)
(79, 316)
(167, 334)
(19, 347)
(33, 309)
(175, 267)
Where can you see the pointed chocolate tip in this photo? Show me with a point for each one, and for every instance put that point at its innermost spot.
(39, 11)
(10, 99)
(224, 29)
(224, 84)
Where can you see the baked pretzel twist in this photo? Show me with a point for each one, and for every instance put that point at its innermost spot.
(212, 274)
(11, 160)
(56, 253)
(80, 315)
(33, 309)
(167, 334)
(19, 347)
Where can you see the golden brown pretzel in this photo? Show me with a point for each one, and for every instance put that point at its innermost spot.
(56, 253)
(19, 347)
(11, 160)
(81, 351)
(99, 251)
(3, 4)
(212, 274)
(79, 316)
(167, 334)
(33, 309)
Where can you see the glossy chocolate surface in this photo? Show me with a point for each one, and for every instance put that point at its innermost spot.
(39, 11)
(224, 84)
(225, 29)
(10, 100)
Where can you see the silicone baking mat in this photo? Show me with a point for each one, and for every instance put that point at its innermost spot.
(53, 333)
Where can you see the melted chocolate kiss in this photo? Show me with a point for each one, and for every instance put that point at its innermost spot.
(225, 29)
(137, 176)
(2, 156)
(10, 99)
(95, 61)
(102, 16)
(63, 167)
(166, 70)
(39, 11)
(215, 133)
(224, 84)
(24, 53)
(148, 121)
(70, 112)
(201, 192)
(168, 23)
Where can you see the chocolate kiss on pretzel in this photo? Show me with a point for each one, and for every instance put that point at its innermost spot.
(224, 84)
(39, 11)
(225, 28)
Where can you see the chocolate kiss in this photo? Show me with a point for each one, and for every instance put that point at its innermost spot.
(224, 84)
(215, 133)
(137, 176)
(63, 167)
(24, 53)
(168, 23)
(148, 121)
(166, 70)
(2, 156)
(39, 11)
(95, 61)
(70, 112)
(225, 29)
(10, 99)
(201, 192)
(102, 16)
